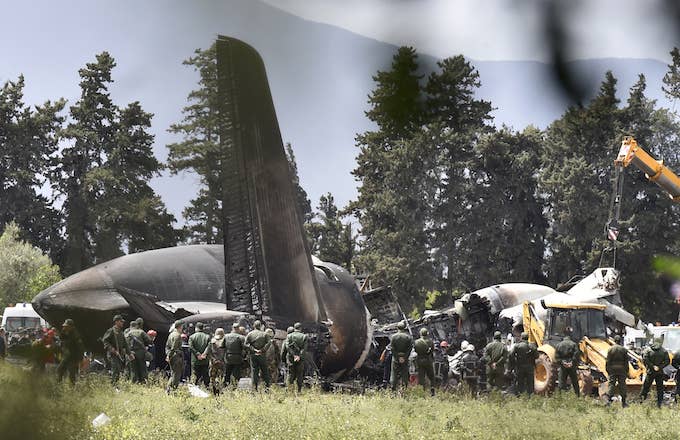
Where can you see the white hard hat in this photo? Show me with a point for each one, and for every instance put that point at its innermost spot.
(464, 345)
(469, 347)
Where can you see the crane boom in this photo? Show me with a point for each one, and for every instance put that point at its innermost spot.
(655, 170)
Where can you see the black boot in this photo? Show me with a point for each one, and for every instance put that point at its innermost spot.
(432, 392)
(623, 402)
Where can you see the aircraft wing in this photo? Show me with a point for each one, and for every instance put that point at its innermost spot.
(156, 313)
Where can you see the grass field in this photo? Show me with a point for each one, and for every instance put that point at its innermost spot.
(37, 408)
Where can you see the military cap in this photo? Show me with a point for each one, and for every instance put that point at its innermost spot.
(424, 332)
(297, 326)
(140, 321)
(199, 326)
(270, 332)
(219, 333)
(401, 326)
(134, 324)
(497, 335)
(257, 324)
(235, 325)
(525, 336)
(179, 323)
(68, 322)
(290, 330)
(118, 318)
(617, 339)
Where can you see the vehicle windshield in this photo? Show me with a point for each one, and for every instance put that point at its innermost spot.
(16, 323)
(583, 322)
(671, 340)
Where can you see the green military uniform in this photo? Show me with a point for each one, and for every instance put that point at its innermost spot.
(617, 369)
(71, 351)
(235, 344)
(273, 357)
(676, 365)
(198, 342)
(655, 359)
(296, 350)
(424, 348)
(174, 355)
(402, 344)
(495, 355)
(137, 339)
(522, 360)
(216, 353)
(567, 356)
(257, 343)
(117, 349)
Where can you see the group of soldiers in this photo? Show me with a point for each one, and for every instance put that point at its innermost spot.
(218, 360)
(518, 364)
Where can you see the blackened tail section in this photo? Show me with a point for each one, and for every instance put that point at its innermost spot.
(268, 267)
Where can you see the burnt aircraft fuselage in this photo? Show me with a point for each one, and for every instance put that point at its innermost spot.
(192, 278)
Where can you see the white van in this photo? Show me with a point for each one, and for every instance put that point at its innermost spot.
(21, 316)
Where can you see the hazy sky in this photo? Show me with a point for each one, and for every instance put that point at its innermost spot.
(499, 30)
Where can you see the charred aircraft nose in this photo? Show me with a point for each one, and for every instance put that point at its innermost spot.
(88, 298)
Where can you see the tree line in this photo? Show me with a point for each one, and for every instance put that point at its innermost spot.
(447, 202)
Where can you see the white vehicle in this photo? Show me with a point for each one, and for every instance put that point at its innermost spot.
(21, 316)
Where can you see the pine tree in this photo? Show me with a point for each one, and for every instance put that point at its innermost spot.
(199, 150)
(332, 241)
(28, 139)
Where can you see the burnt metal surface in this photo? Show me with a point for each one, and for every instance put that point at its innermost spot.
(268, 266)
(383, 305)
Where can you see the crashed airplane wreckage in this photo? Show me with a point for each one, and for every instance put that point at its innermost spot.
(263, 271)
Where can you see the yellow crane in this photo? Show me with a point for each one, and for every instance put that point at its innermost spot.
(655, 170)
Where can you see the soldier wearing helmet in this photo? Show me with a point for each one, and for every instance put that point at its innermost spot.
(522, 361)
(495, 355)
(402, 344)
(655, 359)
(424, 348)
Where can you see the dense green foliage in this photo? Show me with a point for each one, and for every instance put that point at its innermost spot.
(449, 203)
(24, 269)
(37, 408)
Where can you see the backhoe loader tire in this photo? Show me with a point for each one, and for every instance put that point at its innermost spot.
(545, 375)
(585, 382)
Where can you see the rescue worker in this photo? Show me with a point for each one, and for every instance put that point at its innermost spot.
(174, 356)
(151, 349)
(273, 357)
(424, 348)
(216, 354)
(186, 358)
(402, 344)
(138, 340)
(470, 368)
(296, 350)
(257, 343)
(116, 348)
(522, 361)
(617, 369)
(454, 361)
(284, 353)
(567, 356)
(198, 342)
(655, 359)
(71, 351)
(3, 344)
(386, 360)
(495, 355)
(235, 344)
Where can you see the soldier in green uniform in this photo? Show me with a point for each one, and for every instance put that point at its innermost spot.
(137, 339)
(522, 360)
(284, 352)
(257, 343)
(216, 354)
(567, 357)
(655, 359)
(116, 348)
(235, 344)
(273, 357)
(174, 356)
(617, 369)
(424, 348)
(71, 351)
(495, 355)
(402, 344)
(197, 345)
(296, 350)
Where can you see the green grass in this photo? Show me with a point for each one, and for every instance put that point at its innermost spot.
(38, 408)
